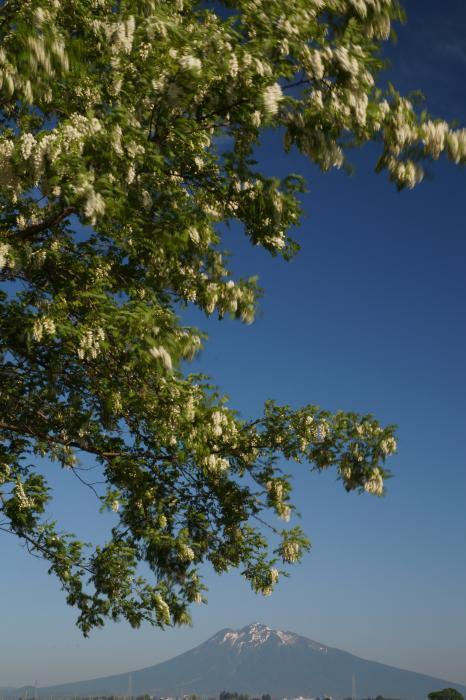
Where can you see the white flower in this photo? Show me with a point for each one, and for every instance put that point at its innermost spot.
(43, 326)
(146, 199)
(233, 66)
(284, 512)
(384, 109)
(278, 241)
(388, 446)
(115, 506)
(374, 484)
(314, 63)
(90, 342)
(434, 135)
(123, 38)
(272, 97)
(321, 431)
(256, 118)
(163, 355)
(290, 552)
(190, 63)
(186, 553)
(194, 234)
(360, 108)
(162, 609)
(215, 464)
(23, 500)
(347, 62)
(315, 99)
(5, 471)
(4, 255)
(275, 488)
(218, 420)
(27, 143)
(360, 7)
(346, 472)
(131, 176)
(117, 134)
(94, 206)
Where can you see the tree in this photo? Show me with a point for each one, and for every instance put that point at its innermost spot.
(114, 180)
(446, 694)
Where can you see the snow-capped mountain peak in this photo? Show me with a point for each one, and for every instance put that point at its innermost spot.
(254, 636)
(256, 660)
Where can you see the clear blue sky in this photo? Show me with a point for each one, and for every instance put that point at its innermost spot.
(369, 317)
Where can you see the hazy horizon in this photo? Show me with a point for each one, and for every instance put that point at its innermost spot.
(244, 630)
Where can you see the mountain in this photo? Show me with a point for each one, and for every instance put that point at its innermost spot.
(257, 660)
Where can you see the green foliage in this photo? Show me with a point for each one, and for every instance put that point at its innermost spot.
(226, 695)
(446, 694)
(126, 135)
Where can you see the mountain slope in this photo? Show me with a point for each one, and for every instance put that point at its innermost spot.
(257, 660)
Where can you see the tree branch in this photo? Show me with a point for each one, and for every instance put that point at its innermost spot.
(51, 438)
(34, 229)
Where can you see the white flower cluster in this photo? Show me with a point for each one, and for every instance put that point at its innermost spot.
(190, 63)
(90, 343)
(346, 61)
(271, 97)
(215, 464)
(374, 484)
(345, 471)
(290, 551)
(275, 489)
(52, 148)
(116, 402)
(321, 430)
(8, 177)
(388, 446)
(456, 145)
(5, 251)
(120, 35)
(313, 63)
(43, 326)
(326, 152)
(26, 144)
(23, 501)
(408, 174)
(42, 53)
(5, 471)
(94, 205)
(228, 297)
(277, 495)
(160, 353)
(434, 135)
(277, 241)
(219, 422)
(162, 609)
(359, 102)
(273, 577)
(186, 553)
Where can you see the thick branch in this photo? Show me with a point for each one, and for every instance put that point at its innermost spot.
(34, 229)
(24, 430)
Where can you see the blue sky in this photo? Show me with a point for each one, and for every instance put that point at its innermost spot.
(368, 317)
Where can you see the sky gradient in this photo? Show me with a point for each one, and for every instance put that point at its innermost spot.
(368, 317)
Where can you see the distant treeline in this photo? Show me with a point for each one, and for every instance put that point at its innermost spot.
(224, 695)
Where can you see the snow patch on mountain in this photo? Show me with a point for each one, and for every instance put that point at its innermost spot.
(255, 635)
